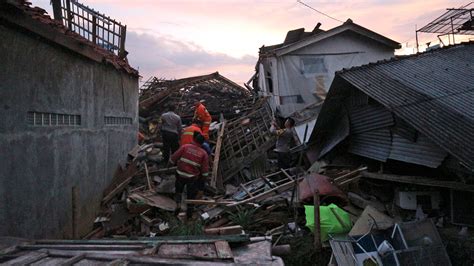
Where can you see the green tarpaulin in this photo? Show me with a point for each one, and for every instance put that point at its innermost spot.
(334, 220)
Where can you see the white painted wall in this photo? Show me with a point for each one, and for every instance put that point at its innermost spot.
(345, 50)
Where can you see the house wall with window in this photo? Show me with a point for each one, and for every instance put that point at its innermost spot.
(302, 77)
(66, 123)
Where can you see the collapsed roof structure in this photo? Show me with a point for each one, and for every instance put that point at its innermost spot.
(157, 94)
(416, 109)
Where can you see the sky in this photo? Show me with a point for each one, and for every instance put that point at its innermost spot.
(182, 38)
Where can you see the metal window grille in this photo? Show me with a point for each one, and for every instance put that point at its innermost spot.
(114, 120)
(52, 119)
(92, 25)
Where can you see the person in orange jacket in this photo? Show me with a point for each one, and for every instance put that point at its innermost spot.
(188, 132)
(203, 115)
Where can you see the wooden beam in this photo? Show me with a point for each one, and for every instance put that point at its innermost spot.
(225, 230)
(340, 178)
(117, 190)
(148, 179)
(246, 190)
(29, 258)
(216, 179)
(317, 222)
(73, 260)
(207, 202)
(148, 241)
(82, 247)
(267, 193)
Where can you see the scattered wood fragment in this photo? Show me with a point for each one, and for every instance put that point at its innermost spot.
(208, 202)
(216, 179)
(226, 230)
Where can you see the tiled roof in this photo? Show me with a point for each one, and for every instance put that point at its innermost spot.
(40, 16)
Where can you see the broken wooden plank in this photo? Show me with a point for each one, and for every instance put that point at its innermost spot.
(208, 202)
(266, 194)
(223, 250)
(350, 174)
(286, 174)
(155, 200)
(226, 230)
(216, 179)
(119, 188)
(8, 250)
(317, 222)
(246, 190)
(149, 241)
(120, 176)
(93, 233)
(350, 180)
(202, 251)
(73, 260)
(82, 247)
(222, 221)
(28, 258)
(148, 180)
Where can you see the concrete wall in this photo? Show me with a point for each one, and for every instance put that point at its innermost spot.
(344, 50)
(39, 165)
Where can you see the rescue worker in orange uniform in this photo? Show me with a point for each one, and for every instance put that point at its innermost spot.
(188, 132)
(192, 170)
(203, 115)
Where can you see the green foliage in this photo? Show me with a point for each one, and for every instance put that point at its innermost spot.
(243, 216)
(188, 228)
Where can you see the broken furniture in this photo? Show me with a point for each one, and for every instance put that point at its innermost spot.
(409, 243)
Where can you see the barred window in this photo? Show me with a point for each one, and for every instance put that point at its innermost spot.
(52, 119)
(115, 120)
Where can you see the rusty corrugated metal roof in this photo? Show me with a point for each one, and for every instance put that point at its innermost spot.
(432, 91)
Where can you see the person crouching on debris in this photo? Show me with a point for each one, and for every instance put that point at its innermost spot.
(284, 142)
(192, 170)
(171, 128)
(188, 132)
(201, 113)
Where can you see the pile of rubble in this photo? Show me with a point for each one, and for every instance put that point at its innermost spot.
(139, 200)
(222, 96)
(248, 195)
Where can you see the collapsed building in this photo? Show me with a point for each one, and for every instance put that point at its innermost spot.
(299, 71)
(410, 120)
(386, 132)
(69, 114)
(157, 94)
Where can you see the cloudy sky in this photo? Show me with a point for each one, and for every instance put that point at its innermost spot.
(180, 38)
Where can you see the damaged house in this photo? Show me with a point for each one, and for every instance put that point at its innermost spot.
(158, 94)
(411, 120)
(69, 114)
(298, 72)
